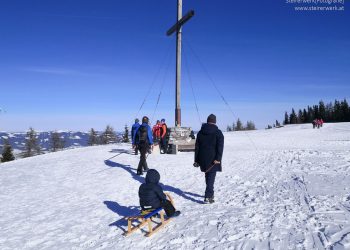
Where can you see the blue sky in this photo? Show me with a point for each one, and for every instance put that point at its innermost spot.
(81, 64)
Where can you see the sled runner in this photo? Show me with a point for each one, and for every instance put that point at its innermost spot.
(148, 217)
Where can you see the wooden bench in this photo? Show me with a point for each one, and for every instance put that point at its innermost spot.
(146, 217)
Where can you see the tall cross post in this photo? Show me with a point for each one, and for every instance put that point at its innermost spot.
(177, 27)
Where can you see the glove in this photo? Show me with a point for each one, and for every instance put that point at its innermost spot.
(196, 165)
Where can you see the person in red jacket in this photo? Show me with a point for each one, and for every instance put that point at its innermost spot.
(156, 131)
(318, 122)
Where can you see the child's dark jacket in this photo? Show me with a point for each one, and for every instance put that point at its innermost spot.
(151, 193)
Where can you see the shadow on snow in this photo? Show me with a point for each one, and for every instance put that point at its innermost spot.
(186, 195)
(121, 211)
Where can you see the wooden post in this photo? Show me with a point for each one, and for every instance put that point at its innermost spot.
(177, 27)
(178, 66)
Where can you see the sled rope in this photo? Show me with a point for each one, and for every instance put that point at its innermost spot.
(210, 168)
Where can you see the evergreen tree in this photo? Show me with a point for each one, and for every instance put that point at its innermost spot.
(347, 113)
(321, 110)
(278, 123)
(337, 113)
(126, 134)
(228, 128)
(300, 116)
(316, 112)
(108, 136)
(93, 138)
(286, 118)
(329, 112)
(250, 125)
(57, 143)
(31, 145)
(233, 128)
(310, 114)
(344, 106)
(7, 153)
(239, 125)
(306, 117)
(293, 117)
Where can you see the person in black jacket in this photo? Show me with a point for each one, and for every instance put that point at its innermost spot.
(208, 154)
(152, 197)
(143, 140)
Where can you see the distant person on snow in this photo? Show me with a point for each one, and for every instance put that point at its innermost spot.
(144, 142)
(208, 154)
(152, 197)
(134, 127)
(163, 137)
(321, 122)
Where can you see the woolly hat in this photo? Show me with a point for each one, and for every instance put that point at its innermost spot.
(145, 119)
(211, 119)
(137, 120)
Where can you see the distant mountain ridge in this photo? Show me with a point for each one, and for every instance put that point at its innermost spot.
(70, 138)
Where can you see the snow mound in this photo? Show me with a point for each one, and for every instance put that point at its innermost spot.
(284, 188)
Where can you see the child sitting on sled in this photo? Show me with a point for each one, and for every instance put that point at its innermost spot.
(152, 197)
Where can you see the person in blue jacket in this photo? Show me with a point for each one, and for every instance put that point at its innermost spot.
(134, 127)
(152, 197)
(208, 154)
(143, 140)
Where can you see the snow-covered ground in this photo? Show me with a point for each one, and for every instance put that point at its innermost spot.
(284, 188)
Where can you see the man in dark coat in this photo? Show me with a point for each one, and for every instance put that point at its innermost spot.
(152, 197)
(134, 127)
(208, 154)
(143, 140)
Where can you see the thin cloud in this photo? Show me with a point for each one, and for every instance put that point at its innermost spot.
(59, 71)
(82, 16)
(325, 87)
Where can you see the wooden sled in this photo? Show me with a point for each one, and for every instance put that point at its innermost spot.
(146, 217)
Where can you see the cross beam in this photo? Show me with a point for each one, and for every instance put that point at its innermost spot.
(181, 22)
(177, 27)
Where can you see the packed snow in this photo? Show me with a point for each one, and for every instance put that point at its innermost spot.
(285, 188)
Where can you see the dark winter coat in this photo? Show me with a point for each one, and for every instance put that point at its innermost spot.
(134, 127)
(151, 193)
(209, 147)
(149, 134)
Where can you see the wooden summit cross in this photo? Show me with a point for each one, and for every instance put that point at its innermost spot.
(177, 27)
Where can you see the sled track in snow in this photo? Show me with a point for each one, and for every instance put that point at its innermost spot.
(277, 202)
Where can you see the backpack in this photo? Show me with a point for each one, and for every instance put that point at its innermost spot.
(142, 135)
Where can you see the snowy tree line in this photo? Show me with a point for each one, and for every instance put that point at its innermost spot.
(238, 126)
(108, 136)
(32, 145)
(338, 111)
